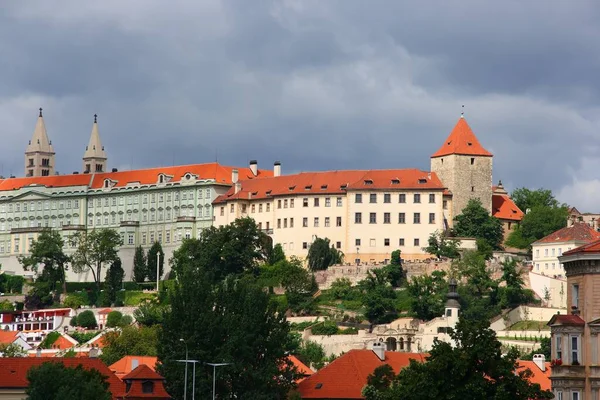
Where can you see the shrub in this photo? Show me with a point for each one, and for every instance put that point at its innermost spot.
(82, 337)
(326, 328)
(113, 319)
(6, 306)
(74, 301)
(74, 321)
(126, 320)
(49, 340)
(340, 289)
(87, 320)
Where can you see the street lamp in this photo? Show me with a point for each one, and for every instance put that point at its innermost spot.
(215, 365)
(193, 377)
(157, 269)
(186, 364)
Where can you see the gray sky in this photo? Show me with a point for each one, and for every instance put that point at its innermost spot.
(317, 84)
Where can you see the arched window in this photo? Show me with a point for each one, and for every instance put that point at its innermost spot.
(391, 344)
(401, 344)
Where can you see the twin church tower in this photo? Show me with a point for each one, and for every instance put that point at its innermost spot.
(40, 156)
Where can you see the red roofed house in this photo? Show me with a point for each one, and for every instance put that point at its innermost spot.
(575, 335)
(540, 370)
(141, 383)
(302, 370)
(505, 209)
(34, 324)
(14, 337)
(346, 376)
(128, 363)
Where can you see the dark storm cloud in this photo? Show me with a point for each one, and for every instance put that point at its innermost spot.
(315, 84)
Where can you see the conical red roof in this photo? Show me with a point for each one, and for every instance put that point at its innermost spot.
(462, 141)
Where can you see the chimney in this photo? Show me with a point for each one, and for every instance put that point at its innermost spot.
(277, 168)
(38, 352)
(93, 352)
(238, 187)
(115, 170)
(234, 175)
(540, 361)
(379, 350)
(254, 167)
(135, 363)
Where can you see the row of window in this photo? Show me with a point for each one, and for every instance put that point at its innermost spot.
(152, 198)
(537, 266)
(372, 243)
(537, 252)
(387, 198)
(26, 206)
(387, 218)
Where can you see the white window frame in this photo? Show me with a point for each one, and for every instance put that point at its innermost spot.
(558, 347)
(576, 351)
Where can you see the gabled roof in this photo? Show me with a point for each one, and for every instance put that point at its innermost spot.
(333, 182)
(503, 207)
(13, 371)
(125, 365)
(462, 141)
(592, 247)
(566, 319)
(7, 337)
(302, 369)
(538, 376)
(63, 342)
(142, 372)
(346, 376)
(578, 232)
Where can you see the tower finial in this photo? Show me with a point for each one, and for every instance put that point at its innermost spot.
(95, 118)
(40, 111)
(462, 113)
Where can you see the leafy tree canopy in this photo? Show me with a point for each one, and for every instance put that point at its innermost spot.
(475, 221)
(540, 221)
(474, 368)
(153, 257)
(114, 280)
(527, 199)
(12, 350)
(47, 252)
(54, 381)
(86, 319)
(428, 295)
(441, 246)
(93, 250)
(322, 254)
(140, 270)
(131, 341)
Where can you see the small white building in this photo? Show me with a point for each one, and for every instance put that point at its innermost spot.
(547, 250)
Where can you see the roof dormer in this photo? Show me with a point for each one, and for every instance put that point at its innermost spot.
(164, 178)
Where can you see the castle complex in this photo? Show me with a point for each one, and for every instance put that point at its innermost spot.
(366, 214)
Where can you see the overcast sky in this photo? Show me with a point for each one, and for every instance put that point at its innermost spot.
(317, 84)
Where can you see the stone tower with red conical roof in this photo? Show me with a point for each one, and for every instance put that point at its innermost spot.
(39, 156)
(465, 168)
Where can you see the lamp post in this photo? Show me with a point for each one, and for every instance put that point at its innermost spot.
(194, 362)
(186, 364)
(157, 270)
(215, 365)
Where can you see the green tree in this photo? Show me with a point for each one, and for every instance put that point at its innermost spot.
(113, 319)
(154, 251)
(539, 222)
(381, 378)
(55, 381)
(428, 295)
(133, 341)
(473, 367)
(322, 254)
(276, 255)
(476, 222)
(527, 199)
(227, 250)
(340, 288)
(311, 354)
(40, 296)
(513, 293)
(378, 297)
(93, 250)
(47, 251)
(441, 246)
(86, 319)
(114, 280)
(140, 270)
(232, 321)
(149, 314)
(396, 257)
(299, 285)
(545, 349)
(12, 350)
(484, 248)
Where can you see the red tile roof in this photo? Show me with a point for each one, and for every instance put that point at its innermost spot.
(145, 373)
(334, 182)
(504, 208)
(63, 343)
(125, 364)
(566, 319)
(13, 371)
(578, 232)
(7, 337)
(462, 141)
(346, 376)
(538, 376)
(216, 171)
(104, 311)
(301, 368)
(592, 247)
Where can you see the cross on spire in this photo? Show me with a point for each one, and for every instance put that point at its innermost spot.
(40, 111)
(95, 118)
(462, 113)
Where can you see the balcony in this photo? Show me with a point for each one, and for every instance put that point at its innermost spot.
(130, 223)
(73, 227)
(568, 371)
(184, 218)
(29, 229)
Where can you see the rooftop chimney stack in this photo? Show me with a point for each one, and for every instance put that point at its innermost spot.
(277, 168)
(93, 352)
(238, 187)
(379, 350)
(135, 363)
(254, 167)
(234, 176)
(540, 361)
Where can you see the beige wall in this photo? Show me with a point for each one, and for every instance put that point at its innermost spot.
(464, 179)
(545, 257)
(296, 240)
(12, 394)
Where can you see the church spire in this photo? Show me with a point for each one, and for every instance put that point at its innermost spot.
(94, 158)
(39, 155)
